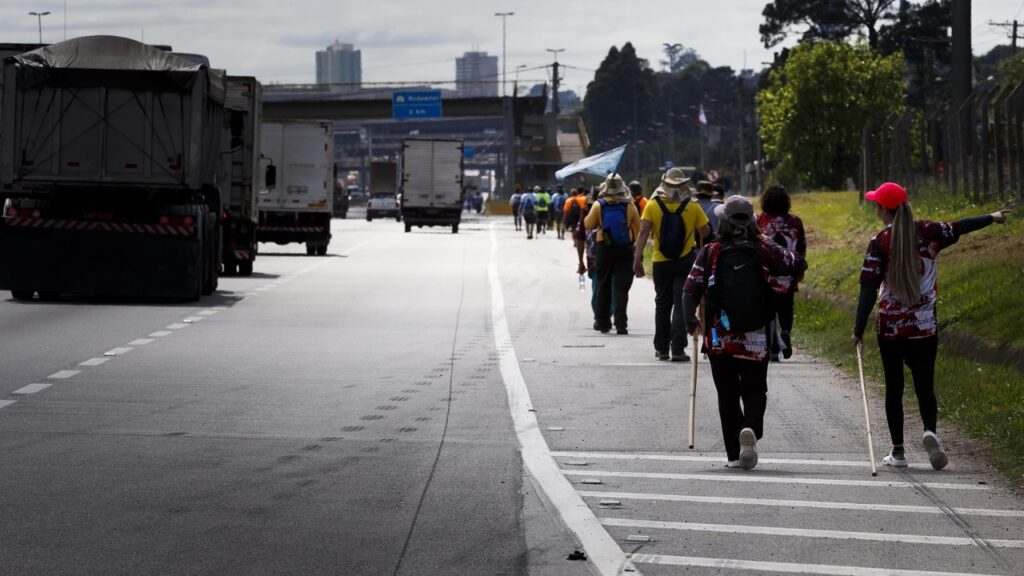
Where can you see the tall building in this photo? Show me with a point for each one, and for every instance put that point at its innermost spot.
(476, 74)
(339, 64)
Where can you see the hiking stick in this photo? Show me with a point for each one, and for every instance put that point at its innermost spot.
(867, 417)
(693, 387)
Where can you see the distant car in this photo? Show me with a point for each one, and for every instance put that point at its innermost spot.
(383, 205)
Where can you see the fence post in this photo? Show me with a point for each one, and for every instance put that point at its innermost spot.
(866, 163)
(998, 134)
(965, 126)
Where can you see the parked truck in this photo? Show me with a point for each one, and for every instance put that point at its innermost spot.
(298, 208)
(240, 173)
(431, 183)
(108, 164)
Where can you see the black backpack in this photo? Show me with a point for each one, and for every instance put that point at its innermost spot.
(672, 236)
(740, 289)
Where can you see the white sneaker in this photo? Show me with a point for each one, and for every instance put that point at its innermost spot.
(895, 460)
(748, 448)
(732, 464)
(936, 453)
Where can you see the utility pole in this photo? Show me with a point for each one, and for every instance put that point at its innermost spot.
(671, 50)
(962, 68)
(554, 81)
(742, 136)
(1013, 35)
(504, 65)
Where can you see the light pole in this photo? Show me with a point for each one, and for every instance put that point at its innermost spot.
(671, 50)
(504, 65)
(515, 83)
(40, 15)
(554, 81)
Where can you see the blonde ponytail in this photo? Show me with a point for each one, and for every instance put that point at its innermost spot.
(904, 273)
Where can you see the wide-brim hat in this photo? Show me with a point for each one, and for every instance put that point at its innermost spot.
(613, 186)
(738, 210)
(537, 189)
(674, 178)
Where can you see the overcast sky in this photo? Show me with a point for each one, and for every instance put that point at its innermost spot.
(411, 41)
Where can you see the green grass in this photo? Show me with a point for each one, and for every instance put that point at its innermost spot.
(981, 281)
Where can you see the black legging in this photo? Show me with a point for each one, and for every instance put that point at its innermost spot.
(736, 381)
(919, 355)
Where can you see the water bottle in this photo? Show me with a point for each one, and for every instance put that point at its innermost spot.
(583, 283)
(714, 337)
(725, 321)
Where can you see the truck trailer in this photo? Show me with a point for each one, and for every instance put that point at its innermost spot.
(298, 208)
(108, 165)
(240, 173)
(431, 183)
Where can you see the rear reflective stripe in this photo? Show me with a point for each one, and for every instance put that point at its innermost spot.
(93, 225)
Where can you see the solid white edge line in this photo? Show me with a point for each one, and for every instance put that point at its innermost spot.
(741, 477)
(31, 389)
(688, 458)
(786, 567)
(602, 550)
(897, 508)
(806, 533)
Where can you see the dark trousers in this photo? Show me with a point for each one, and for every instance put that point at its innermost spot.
(614, 272)
(669, 321)
(517, 218)
(784, 312)
(919, 355)
(740, 380)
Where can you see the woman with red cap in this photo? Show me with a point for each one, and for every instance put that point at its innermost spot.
(901, 262)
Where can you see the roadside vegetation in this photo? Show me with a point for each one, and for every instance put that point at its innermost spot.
(981, 312)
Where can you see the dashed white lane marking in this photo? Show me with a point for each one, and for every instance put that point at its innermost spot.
(64, 374)
(31, 389)
(605, 554)
(5, 403)
(687, 458)
(160, 334)
(895, 508)
(727, 477)
(210, 312)
(192, 319)
(177, 326)
(140, 342)
(93, 362)
(118, 351)
(806, 533)
(786, 567)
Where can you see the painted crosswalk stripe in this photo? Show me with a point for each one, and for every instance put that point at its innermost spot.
(31, 389)
(64, 374)
(94, 362)
(5, 403)
(688, 458)
(786, 567)
(806, 533)
(727, 477)
(896, 508)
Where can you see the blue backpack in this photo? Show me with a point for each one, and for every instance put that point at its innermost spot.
(615, 221)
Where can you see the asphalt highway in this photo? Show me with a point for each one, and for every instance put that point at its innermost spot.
(434, 403)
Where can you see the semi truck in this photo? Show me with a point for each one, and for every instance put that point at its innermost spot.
(240, 173)
(431, 183)
(108, 167)
(298, 208)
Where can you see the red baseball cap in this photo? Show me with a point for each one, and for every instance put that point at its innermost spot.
(889, 195)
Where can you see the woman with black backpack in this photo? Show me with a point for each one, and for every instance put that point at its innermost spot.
(787, 230)
(734, 273)
(901, 262)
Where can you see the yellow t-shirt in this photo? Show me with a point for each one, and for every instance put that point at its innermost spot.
(693, 218)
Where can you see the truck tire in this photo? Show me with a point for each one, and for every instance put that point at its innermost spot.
(321, 250)
(310, 250)
(245, 268)
(230, 269)
(408, 227)
(368, 219)
(22, 294)
(455, 228)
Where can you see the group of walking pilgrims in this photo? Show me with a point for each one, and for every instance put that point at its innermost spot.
(728, 276)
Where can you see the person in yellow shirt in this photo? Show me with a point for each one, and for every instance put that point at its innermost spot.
(617, 223)
(677, 224)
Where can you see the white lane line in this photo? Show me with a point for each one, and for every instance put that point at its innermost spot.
(31, 389)
(140, 342)
(686, 458)
(786, 567)
(177, 326)
(806, 533)
(5, 403)
(773, 479)
(633, 364)
(160, 334)
(206, 312)
(896, 508)
(64, 374)
(93, 362)
(118, 351)
(604, 553)
(192, 319)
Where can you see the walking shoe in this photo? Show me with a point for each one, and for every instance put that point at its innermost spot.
(661, 355)
(936, 453)
(748, 448)
(774, 358)
(895, 460)
(732, 464)
(621, 331)
(680, 357)
(787, 346)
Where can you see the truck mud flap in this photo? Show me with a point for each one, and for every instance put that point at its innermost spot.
(98, 263)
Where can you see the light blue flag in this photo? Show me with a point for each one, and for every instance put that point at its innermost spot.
(601, 164)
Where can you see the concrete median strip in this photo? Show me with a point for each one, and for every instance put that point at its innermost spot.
(731, 477)
(785, 567)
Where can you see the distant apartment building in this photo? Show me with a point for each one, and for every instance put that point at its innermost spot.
(339, 64)
(476, 74)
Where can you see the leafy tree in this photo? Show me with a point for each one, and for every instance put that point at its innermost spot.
(1011, 70)
(814, 108)
(824, 19)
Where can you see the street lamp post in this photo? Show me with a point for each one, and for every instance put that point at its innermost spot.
(671, 50)
(504, 66)
(40, 15)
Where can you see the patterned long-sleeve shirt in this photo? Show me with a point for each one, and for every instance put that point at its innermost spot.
(787, 231)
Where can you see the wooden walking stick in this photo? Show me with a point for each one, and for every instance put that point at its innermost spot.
(693, 386)
(867, 417)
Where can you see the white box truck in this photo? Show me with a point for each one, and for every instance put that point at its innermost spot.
(431, 183)
(240, 174)
(298, 208)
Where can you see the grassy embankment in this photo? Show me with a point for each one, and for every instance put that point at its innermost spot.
(981, 314)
